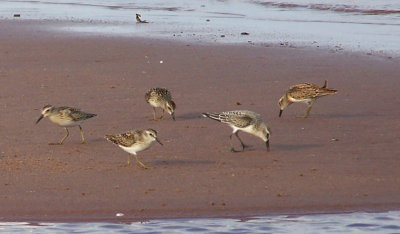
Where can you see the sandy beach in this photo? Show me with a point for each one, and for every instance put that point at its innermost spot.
(345, 157)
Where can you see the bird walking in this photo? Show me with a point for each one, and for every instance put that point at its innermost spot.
(306, 93)
(134, 141)
(161, 97)
(66, 117)
(243, 120)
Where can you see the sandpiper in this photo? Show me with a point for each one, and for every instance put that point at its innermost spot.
(306, 93)
(161, 97)
(243, 120)
(140, 20)
(134, 141)
(66, 117)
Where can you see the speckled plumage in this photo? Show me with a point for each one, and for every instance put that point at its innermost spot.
(306, 93)
(134, 141)
(65, 116)
(243, 120)
(162, 98)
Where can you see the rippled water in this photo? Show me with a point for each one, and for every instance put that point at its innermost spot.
(364, 25)
(388, 222)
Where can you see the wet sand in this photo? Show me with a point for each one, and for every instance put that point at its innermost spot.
(345, 157)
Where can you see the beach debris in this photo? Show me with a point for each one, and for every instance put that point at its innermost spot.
(208, 20)
(140, 20)
(238, 103)
(245, 33)
(161, 61)
(17, 15)
(334, 139)
(222, 35)
(119, 214)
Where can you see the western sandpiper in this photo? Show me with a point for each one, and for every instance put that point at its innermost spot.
(134, 141)
(243, 120)
(66, 117)
(306, 93)
(161, 97)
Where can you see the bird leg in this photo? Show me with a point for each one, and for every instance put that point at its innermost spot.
(154, 113)
(83, 137)
(62, 140)
(241, 142)
(162, 116)
(128, 163)
(141, 164)
(308, 109)
(230, 142)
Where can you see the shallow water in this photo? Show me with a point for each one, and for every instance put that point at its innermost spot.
(388, 222)
(364, 25)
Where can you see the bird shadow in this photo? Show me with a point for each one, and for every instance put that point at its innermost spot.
(352, 115)
(189, 116)
(179, 162)
(296, 147)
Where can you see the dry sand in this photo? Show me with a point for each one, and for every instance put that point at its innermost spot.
(194, 174)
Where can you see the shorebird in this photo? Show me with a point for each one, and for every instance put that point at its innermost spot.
(243, 120)
(134, 141)
(140, 20)
(66, 117)
(161, 97)
(306, 93)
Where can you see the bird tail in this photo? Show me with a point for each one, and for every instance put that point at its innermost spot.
(221, 117)
(327, 91)
(111, 138)
(89, 115)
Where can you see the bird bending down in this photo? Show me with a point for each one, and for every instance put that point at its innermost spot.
(243, 120)
(306, 93)
(134, 141)
(161, 97)
(140, 20)
(66, 117)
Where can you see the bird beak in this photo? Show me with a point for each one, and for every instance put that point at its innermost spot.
(280, 113)
(40, 118)
(159, 142)
(173, 116)
(267, 144)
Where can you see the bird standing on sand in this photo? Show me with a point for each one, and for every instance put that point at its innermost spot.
(161, 97)
(66, 117)
(134, 141)
(243, 120)
(140, 20)
(306, 93)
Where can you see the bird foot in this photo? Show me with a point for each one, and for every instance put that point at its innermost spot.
(302, 117)
(236, 151)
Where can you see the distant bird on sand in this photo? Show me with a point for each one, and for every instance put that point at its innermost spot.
(134, 141)
(161, 97)
(66, 117)
(243, 120)
(306, 93)
(140, 20)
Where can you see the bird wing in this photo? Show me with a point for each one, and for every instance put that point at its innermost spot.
(240, 119)
(74, 113)
(124, 139)
(307, 90)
